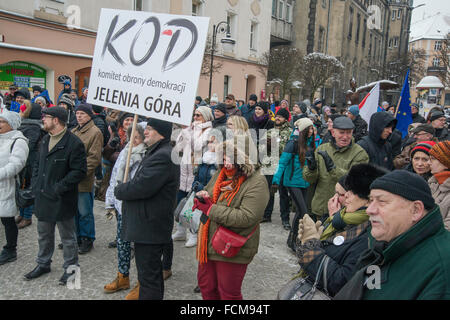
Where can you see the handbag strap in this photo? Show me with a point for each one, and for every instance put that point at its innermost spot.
(325, 268)
(254, 229)
(320, 271)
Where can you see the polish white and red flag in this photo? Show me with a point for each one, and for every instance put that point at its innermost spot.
(369, 105)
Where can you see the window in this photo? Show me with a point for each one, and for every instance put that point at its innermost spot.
(231, 20)
(274, 8)
(288, 12)
(226, 85)
(320, 46)
(393, 14)
(437, 45)
(399, 13)
(390, 43)
(370, 45)
(364, 34)
(280, 9)
(395, 42)
(253, 35)
(375, 47)
(350, 26)
(138, 5)
(436, 62)
(358, 22)
(324, 3)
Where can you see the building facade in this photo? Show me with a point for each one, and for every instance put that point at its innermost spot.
(43, 39)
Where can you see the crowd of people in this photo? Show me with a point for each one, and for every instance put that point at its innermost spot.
(362, 195)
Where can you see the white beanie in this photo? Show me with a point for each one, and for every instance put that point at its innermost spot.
(214, 98)
(303, 123)
(13, 118)
(206, 113)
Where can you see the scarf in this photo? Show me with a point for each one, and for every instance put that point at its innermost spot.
(219, 121)
(340, 220)
(260, 120)
(137, 154)
(225, 188)
(441, 177)
(122, 136)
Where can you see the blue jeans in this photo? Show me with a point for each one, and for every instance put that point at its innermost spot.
(85, 216)
(27, 213)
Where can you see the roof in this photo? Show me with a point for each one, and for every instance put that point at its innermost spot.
(434, 27)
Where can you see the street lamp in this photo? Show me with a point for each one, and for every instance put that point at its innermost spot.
(227, 43)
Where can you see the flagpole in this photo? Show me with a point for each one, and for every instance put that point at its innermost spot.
(398, 105)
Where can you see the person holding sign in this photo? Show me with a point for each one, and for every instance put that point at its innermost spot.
(148, 202)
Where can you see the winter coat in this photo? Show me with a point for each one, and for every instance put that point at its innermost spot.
(56, 176)
(149, 198)
(71, 120)
(245, 212)
(442, 134)
(441, 195)
(100, 122)
(191, 142)
(232, 110)
(395, 139)
(379, 150)
(137, 154)
(360, 128)
(343, 257)
(248, 111)
(92, 139)
(417, 118)
(414, 266)
(32, 130)
(11, 163)
(343, 158)
(289, 167)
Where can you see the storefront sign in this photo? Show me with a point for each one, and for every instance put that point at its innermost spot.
(22, 74)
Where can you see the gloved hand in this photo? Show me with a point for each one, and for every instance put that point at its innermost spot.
(114, 142)
(110, 213)
(202, 204)
(204, 218)
(274, 189)
(308, 229)
(311, 160)
(329, 164)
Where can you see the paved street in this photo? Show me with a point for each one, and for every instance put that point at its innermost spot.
(271, 268)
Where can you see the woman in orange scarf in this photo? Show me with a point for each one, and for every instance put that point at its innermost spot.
(235, 198)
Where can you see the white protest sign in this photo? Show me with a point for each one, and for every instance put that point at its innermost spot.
(148, 63)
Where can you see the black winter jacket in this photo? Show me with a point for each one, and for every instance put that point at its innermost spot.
(56, 176)
(360, 128)
(100, 122)
(149, 199)
(442, 134)
(417, 118)
(32, 130)
(379, 150)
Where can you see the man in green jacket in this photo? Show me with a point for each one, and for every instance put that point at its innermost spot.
(409, 248)
(331, 161)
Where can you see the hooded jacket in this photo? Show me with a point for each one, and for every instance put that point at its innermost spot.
(360, 130)
(379, 150)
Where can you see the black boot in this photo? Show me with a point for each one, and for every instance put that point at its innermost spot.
(65, 277)
(37, 272)
(7, 256)
(86, 245)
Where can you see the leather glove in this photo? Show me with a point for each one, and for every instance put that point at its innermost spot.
(308, 229)
(202, 204)
(274, 188)
(329, 164)
(110, 213)
(311, 160)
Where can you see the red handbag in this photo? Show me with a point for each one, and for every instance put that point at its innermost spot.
(228, 243)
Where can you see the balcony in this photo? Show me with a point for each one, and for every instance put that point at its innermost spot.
(281, 32)
(436, 69)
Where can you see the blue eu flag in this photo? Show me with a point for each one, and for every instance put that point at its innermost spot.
(15, 106)
(404, 116)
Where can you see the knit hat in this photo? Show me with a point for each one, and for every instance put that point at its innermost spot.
(424, 127)
(317, 101)
(214, 98)
(36, 111)
(198, 98)
(123, 116)
(361, 176)
(303, 107)
(65, 98)
(263, 105)
(424, 146)
(86, 108)
(326, 108)
(441, 151)
(13, 118)
(206, 113)
(253, 97)
(164, 128)
(40, 99)
(36, 88)
(57, 112)
(303, 123)
(221, 107)
(22, 92)
(283, 112)
(343, 123)
(407, 185)
(436, 115)
(354, 110)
